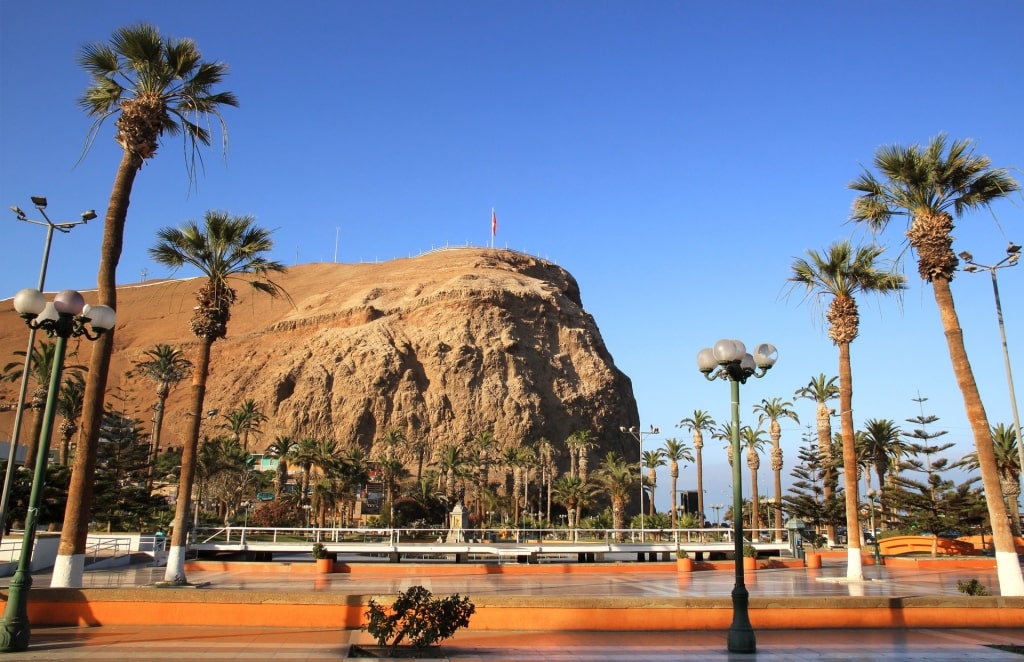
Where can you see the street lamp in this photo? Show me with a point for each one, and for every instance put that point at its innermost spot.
(1011, 259)
(67, 316)
(639, 436)
(65, 227)
(728, 359)
(873, 494)
(717, 507)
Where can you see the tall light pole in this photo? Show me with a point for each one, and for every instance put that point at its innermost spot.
(1011, 259)
(728, 359)
(67, 316)
(717, 507)
(639, 436)
(65, 227)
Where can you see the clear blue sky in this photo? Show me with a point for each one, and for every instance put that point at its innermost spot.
(673, 156)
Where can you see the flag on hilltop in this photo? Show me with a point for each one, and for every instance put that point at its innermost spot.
(494, 223)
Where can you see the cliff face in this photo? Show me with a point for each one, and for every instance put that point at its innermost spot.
(442, 347)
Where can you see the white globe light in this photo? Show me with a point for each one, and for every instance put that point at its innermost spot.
(765, 355)
(29, 302)
(69, 302)
(101, 318)
(706, 360)
(729, 351)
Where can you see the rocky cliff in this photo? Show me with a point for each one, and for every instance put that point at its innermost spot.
(442, 347)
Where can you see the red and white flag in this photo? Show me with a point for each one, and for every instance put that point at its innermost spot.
(494, 224)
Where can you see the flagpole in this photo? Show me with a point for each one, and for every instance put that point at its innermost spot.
(493, 227)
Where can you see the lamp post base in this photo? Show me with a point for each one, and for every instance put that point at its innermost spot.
(741, 632)
(14, 627)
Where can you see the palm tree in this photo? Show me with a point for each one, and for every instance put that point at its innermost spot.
(244, 421)
(931, 185)
(583, 441)
(884, 448)
(574, 494)
(652, 460)
(546, 459)
(701, 420)
(616, 478)
(485, 444)
(154, 86)
(69, 406)
(282, 448)
(1004, 439)
(166, 366)
(771, 411)
(452, 463)
(839, 275)
(40, 369)
(224, 248)
(676, 451)
(753, 441)
(821, 389)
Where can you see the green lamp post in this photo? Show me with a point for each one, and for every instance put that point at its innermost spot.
(728, 359)
(66, 317)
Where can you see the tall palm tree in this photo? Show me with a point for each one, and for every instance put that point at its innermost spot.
(69, 406)
(752, 440)
(616, 479)
(546, 460)
(583, 441)
(244, 421)
(931, 185)
(224, 248)
(838, 275)
(154, 86)
(884, 448)
(676, 451)
(699, 421)
(653, 459)
(282, 449)
(821, 389)
(166, 366)
(771, 411)
(486, 446)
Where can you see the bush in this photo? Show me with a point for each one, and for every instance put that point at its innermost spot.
(750, 551)
(319, 550)
(417, 616)
(973, 587)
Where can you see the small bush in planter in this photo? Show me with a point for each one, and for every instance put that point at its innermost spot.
(973, 587)
(750, 551)
(418, 617)
(319, 550)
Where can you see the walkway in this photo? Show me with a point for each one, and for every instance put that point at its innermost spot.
(123, 643)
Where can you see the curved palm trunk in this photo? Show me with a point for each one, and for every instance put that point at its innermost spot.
(32, 443)
(673, 472)
(179, 536)
(158, 424)
(1011, 581)
(854, 565)
(70, 563)
(755, 507)
(825, 453)
(698, 446)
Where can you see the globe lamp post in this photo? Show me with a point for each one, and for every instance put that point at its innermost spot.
(728, 359)
(63, 227)
(67, 316)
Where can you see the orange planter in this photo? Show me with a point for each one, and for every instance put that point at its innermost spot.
(813, 560)
(325, 566)
(750, 563)
(684, 564)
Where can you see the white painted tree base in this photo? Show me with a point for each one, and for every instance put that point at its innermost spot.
(1011, 582)
(67, 571)
(854, 564)
(175, 572)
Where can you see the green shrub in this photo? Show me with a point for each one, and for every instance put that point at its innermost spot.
(319, 550)
(415, 615)
(973, 587)
(750, 551)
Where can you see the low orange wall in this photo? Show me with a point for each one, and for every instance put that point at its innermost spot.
(211, 607)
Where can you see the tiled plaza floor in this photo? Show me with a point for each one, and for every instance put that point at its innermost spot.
(124, 643)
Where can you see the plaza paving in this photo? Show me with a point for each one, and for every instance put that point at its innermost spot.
(293, 641)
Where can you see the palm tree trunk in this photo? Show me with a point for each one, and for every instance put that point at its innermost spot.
(854, 565)
(158, 423)
(700, 482)
(179, 536)
(1011, 581)
(70, 563)
(673, 473)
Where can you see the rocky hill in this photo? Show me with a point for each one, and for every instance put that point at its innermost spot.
(442, 347)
